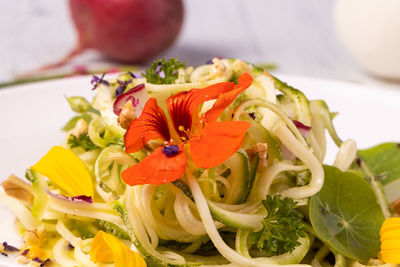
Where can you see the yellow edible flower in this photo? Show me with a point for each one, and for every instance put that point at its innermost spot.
(107, 248)
(36, 252)
(390, 240)
(66, 170)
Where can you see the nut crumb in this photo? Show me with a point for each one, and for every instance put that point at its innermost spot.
(261, 149)
(81, 127)
(127, 115)
(395, 206)
(22, 259)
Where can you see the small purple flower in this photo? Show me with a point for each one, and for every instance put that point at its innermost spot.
(132, 74)
(210, 60)
(8, 247)
(25, 252)
(170, 151)
(252, 115)
(158, 68)
(122, 86)
(37, 259)
(162, 74)
(69, 246)
(45, 262)
(96, 80)
(4, 254)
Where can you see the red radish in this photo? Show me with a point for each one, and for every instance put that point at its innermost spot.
(128, 31)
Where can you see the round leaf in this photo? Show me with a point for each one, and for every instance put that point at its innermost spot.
(346, 215)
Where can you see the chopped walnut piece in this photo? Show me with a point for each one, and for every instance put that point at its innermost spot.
(240, 67)
(261, 150)
(219, 70)
(395, 206)
(127, 115)
(375, 262)
(81, 127)
(22, 259)
(17, 188)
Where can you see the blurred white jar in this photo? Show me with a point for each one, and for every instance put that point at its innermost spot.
(370, 30)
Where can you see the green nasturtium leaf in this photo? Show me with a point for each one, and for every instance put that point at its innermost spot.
(346, 215)
(384, 161)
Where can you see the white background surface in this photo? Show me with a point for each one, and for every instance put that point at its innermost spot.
(297, 35)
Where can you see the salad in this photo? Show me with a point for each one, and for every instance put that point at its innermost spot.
(218, 165)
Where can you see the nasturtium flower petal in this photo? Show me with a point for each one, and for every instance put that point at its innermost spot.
(157, 168)
(106, 248)
(390, 240)
(151, 125)
(225, 99)
(66, 170)
(217, 142)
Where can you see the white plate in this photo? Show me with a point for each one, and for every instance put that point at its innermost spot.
(31, 117)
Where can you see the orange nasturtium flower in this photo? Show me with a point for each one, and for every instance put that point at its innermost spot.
(209, 142)
(390, 240)
(107, 248)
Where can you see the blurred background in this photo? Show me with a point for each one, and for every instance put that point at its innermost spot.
(294, 37)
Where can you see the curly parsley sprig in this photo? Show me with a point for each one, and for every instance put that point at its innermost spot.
(83, 141)
(282, 227)
(163, 71)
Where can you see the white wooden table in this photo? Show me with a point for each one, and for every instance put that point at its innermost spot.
(298, 36)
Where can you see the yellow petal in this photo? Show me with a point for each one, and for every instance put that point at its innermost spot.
(390, 234)
(390, 240)
(66, 170)
(390, 224)
(391, 257)
(391, 244)
(107, 248)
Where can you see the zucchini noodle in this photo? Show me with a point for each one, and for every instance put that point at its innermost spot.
(346, 155)
(249, 204)
(60, 254)
(212, 232)
(20, 211)
(298, 149)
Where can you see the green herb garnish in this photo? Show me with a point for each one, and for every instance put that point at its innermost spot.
(282, 227)
(82, 141)
(163, 71)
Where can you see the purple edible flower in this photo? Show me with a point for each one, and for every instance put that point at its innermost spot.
(132, 74)
(10, 248)
(96, 81)
(162, 74)
(69, 247)
(37, 259)
(4, 254)
(25, 252)
(170, 151)
(210, 60)
(158, 68)
(45, 262)
(122, 86)
(252, 115)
